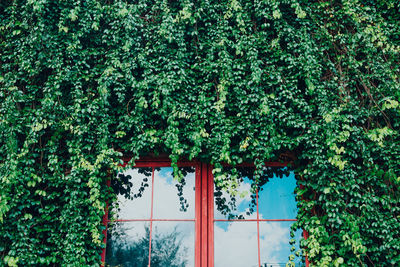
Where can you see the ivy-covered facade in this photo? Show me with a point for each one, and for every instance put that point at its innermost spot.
(85, 83)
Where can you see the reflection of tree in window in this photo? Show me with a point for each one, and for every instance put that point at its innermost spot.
(125, 251)
(226, 202)
(167, 249)
(123, 186)
(181, 184)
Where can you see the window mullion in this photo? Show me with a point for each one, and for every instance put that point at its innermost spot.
(210, 209)
(204, 217)
(198, 215)
(151, 213)
(258, 232)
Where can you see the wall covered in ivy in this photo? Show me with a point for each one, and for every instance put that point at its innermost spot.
(85, 82)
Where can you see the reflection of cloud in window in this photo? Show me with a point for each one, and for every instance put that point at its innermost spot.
(236, 245)
(242, 203)
(274, 242)
(278, 255)
(236, 242)
(166, 206)
(276, 200)
(167, 203)
(136, 208)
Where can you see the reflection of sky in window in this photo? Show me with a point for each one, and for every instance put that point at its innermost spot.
(172, 244)
(167, 206)
(274, 243)
(167, 203)
(140, 207)
(242, 203)
(166, 174)
(235, 244)
(182, 238)
(277, 199)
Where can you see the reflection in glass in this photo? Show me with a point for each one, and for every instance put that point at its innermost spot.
(134, 193)
(174, 199)
(276, 197)
(172, 244)
(274, 244)
(236, 206)
(235, 244)
(128, 244)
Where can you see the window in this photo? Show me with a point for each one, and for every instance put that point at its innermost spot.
(194, 222)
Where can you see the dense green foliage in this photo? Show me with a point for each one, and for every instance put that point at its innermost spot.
(219, 81)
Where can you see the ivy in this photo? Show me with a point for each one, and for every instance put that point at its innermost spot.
(85, 83)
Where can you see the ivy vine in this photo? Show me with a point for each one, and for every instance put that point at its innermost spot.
(84, 83)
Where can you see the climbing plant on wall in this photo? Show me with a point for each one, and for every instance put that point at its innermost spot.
(85, 82)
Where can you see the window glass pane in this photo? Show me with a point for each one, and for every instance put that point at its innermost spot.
(274, 244)
(276, 197)
(172, 244)
(235, 244)
(174, 199)
(236, 205)
(128, 244)
(134, 194)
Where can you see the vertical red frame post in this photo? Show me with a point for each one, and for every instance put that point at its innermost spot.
(258, 231)
(210, 219)
(151, 213)
(204, 215)
(305, 233)
(198, 214)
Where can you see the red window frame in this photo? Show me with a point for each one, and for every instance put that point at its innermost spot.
(204, 209)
